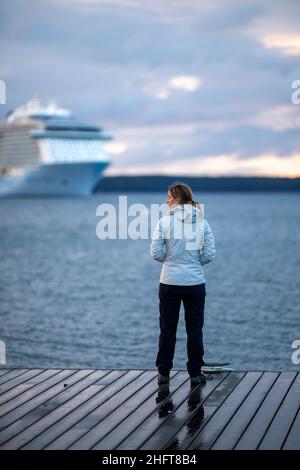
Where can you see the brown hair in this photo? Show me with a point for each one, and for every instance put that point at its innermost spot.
(182, 193)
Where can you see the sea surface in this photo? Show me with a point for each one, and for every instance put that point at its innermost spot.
(71, 300)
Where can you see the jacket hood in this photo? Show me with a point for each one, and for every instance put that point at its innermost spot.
(187, 213)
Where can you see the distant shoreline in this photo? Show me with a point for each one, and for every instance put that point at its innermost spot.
(159, 183)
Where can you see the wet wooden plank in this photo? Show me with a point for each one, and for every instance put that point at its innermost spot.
(243, 416)
(256, 430)
(213, 428)
(46, 378)
(41, 405)
(81, 391)
(205, 410)
(9, 389)
(3, 372)
(177, 420)
(156, 411)
(104, 417)
(103, 396)
(126, 409)
(11, 374)
(147, 400)
(187, 435)
(280, 426)
(157, 399)
(33, 437)
(130, 409)
(293, 438)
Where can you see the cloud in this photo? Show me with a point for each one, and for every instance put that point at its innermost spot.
(222, 165)
(278, 27)
(172, 80)
(278, 118)
(115, 148)
(186, 83)
(287, 43)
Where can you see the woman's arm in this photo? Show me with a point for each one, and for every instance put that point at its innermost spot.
(158, 244)
(208, 251)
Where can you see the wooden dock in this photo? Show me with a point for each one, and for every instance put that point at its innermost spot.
(126, 409)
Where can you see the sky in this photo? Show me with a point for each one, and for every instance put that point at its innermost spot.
(185, 87)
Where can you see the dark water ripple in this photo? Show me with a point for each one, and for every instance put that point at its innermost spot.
(71, 300)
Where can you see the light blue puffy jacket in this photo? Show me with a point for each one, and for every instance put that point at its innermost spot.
(182, 266)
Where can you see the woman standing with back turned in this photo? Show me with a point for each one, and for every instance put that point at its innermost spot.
(182, 279)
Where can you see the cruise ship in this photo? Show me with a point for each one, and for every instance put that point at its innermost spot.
(45, 150)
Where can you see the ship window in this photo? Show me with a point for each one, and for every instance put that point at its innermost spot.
(74, 150)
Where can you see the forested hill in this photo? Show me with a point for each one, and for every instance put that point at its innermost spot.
(160, 183)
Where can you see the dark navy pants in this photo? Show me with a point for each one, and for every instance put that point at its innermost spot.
(193, 298)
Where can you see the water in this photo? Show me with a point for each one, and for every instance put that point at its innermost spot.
(71, 300)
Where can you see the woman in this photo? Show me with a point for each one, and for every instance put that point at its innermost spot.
(182, 279)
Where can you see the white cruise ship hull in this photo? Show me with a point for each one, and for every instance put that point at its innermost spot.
(55, 179)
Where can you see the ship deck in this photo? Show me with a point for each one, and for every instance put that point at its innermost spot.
(126, 409)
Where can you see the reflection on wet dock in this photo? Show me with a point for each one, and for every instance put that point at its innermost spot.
(126, 409)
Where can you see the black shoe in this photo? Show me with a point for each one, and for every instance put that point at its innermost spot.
(198, 379)
(163, 379)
